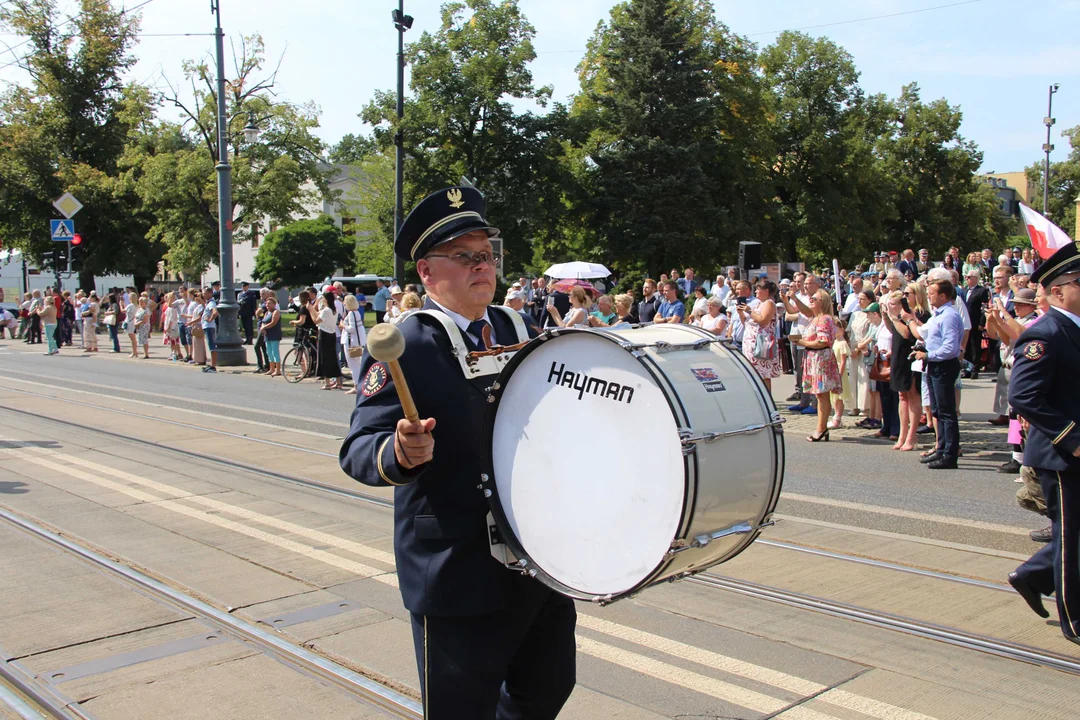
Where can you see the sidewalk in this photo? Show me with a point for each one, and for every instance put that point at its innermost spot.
(159, 354)
(979, 439)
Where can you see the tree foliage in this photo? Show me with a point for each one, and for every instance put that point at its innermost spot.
(352, 150)
(66, 130)
(826, 191)
(172, 168)
(302, 252)
(673, 109)
(936, 199)
(460, 121)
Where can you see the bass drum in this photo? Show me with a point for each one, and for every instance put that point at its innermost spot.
(615, 459)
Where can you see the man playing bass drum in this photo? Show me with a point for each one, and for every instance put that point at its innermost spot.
(490, 642)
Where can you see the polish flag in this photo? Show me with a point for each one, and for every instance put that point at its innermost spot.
(1046, 237)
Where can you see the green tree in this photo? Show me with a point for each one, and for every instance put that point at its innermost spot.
(460, 122)
(352, 150)
(828, 196)
(172, 166)
(671, 167)
(938, 202)
(1064, 184)
(302, 252)
(66, 131)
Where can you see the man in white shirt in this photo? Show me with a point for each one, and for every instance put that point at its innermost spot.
(851, 304)
(743, 296)
(721, 290)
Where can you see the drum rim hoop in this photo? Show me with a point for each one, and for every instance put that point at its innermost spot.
(507, 536)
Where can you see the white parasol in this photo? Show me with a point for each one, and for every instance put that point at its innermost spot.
(577, 269)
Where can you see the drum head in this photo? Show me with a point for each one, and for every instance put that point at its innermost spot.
(587, 462)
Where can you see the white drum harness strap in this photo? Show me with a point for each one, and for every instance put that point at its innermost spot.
(473, 364)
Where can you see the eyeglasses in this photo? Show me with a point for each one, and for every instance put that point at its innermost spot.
(472, 259)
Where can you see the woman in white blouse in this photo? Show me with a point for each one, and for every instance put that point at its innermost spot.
(326, 365)
(715, 321)
(354, 338)
(1026, 266)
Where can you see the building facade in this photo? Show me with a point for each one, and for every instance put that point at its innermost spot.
(342, 204)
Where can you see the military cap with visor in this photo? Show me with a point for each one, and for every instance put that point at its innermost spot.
(441, 217)
(1065, 261)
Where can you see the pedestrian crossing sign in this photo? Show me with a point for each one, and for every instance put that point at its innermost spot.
(62, 230)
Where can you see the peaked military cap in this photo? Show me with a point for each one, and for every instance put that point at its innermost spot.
(440, 218)
(1066, 260)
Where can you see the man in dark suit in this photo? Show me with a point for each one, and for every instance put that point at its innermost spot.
(539, 306)
(1045, 394)
(249, 304)
(490, 642)
(976, 297)
(907, 264)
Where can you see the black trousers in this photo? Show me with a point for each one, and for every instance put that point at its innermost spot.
(1055, 568)
(379, 315)
(942, 378)
(973, 353)
(248, 322)
(517, 663)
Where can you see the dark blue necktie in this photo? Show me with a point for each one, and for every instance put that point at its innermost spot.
(476, 328)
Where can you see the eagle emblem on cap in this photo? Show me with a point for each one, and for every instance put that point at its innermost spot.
(454, 195)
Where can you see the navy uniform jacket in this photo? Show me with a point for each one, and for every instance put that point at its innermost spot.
(444, 562)
(1044, 391)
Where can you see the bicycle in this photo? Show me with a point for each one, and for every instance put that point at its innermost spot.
(299, 362)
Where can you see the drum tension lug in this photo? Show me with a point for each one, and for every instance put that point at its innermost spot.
(704, 539)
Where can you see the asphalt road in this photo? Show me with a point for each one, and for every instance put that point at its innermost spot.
(852, 469)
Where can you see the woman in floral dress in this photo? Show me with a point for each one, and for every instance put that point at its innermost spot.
(821, 375)
(761, 321)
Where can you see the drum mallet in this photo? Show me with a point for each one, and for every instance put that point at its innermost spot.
(386, 344)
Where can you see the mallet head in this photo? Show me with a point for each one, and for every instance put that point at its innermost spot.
(385, 342)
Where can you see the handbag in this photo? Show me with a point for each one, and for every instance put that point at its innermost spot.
(355, 351)
(197, 332)
(881, 370)
(764, 346)
(109, 319)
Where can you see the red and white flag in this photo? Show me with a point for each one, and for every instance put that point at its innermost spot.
(1046, 237)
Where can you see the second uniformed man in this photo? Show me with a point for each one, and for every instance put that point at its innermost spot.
(490, 642)
(1045, 393)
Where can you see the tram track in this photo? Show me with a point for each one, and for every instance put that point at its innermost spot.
(27, 699)
(918, 628)
(327, 671)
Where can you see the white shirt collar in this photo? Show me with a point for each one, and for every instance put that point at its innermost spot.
(463, 322)
(1066, 313)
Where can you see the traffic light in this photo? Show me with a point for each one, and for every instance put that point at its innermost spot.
(60, 257)
(76, 256)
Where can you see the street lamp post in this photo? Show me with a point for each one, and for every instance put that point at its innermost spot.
(402, 22)
(230, 349)
(1048, 148)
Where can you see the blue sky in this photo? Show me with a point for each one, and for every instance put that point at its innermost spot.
(994, 58)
